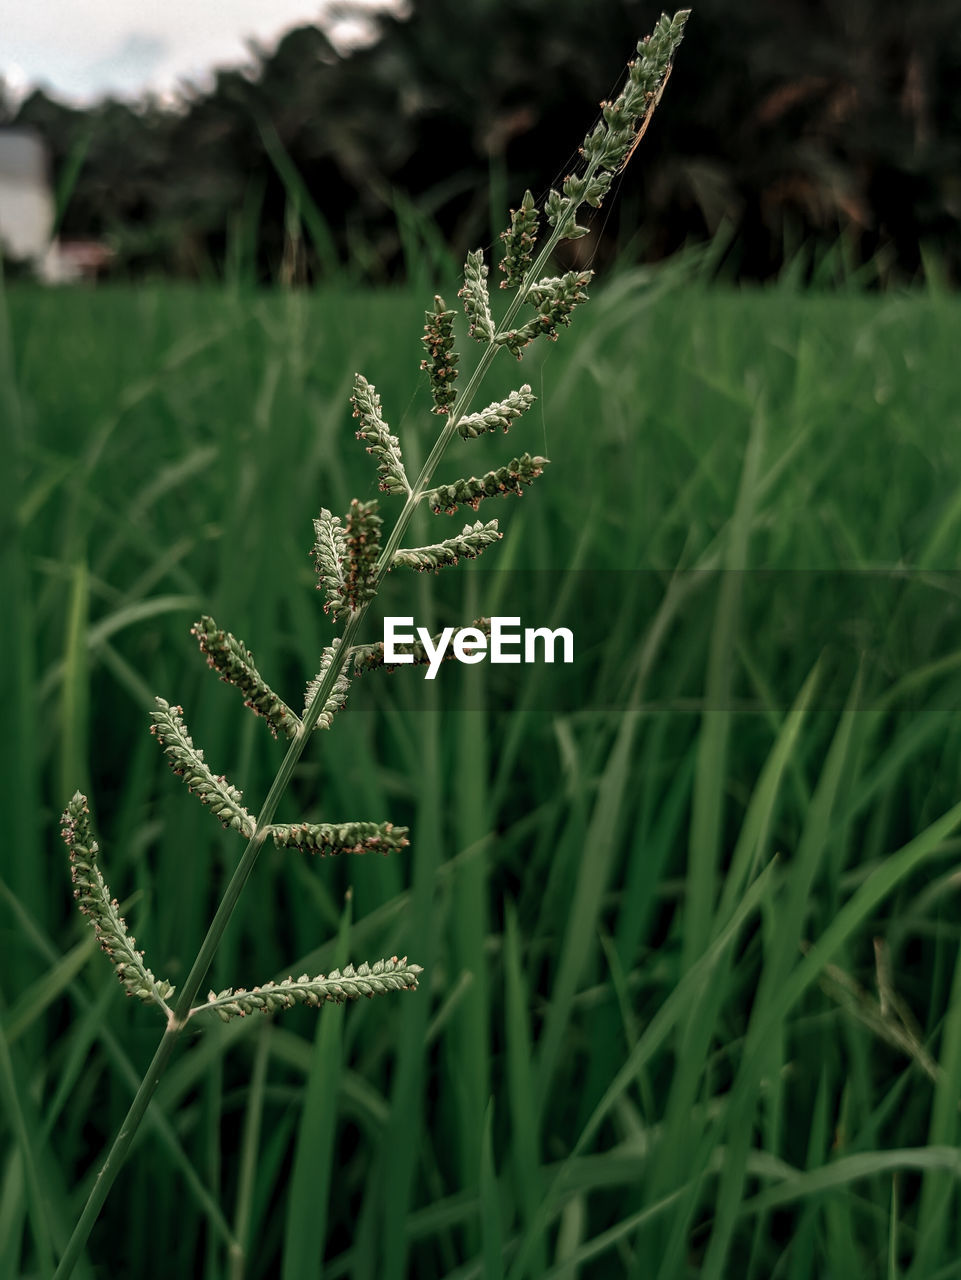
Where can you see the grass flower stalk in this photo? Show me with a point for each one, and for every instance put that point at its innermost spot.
(352, 560)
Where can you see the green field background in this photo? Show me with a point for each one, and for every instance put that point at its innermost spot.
(691, 1002)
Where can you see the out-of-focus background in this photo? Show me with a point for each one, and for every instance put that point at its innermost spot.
(793, 125)
(687, 910)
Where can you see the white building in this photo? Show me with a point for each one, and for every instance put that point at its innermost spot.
(26, 200)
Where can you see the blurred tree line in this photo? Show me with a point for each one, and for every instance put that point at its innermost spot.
(790, 126)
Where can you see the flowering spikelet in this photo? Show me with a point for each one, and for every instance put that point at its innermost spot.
(235, 665)
(337, 986)
(328, 838)
(330, 552)
(497, 416)
(468, 544)
(626, 118)
(519, 243)
(373, 429)
(368, 657)
(337, 698)
(476, 297)
(187, 761)
(362, 536)
(441, 369)
(609, 146)
(555, 297)
(469, 493)
(95, 901)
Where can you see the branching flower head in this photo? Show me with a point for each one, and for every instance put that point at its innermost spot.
(95, 901)
(362, 538)
(350, 566)
(338, 986)
(497, 416)
(187, 761)
(336, 699)
(467, 545)
(330, 838)
(609, 146)
(234, 663)
(441, 368)
(373, 429)
(519, 241)
(476, 298)
(512, 478)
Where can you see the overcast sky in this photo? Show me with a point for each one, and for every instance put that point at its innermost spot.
(85, 48)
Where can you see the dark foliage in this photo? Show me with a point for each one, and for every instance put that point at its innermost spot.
(794, 124)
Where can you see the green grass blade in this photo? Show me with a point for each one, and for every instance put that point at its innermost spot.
(26, 1134)
(492, 1232)
(313, 1174)
(655, 1034)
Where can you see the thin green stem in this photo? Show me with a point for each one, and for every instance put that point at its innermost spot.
(117, 1154)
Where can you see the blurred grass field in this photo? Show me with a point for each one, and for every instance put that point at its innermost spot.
(644, 1045)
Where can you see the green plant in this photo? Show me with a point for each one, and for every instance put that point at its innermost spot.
(351, 561)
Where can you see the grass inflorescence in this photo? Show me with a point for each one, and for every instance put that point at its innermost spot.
(353, 556)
